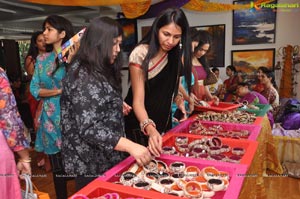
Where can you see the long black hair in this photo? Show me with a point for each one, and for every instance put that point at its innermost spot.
(60, 24)
(202, 37)
(232, 68)
(95, 51)
(33, 50)
(177, 16)
(270, 74)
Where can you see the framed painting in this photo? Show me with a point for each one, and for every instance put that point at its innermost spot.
(215, 55)
(130, 34)
(256, 25)
(247, 62)
(145, 30)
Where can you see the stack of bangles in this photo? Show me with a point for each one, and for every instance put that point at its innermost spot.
(25, 160)
(179, 96)
(145, 123)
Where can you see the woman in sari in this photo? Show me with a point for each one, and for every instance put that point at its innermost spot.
(258, 87)
(269, 84)
(200, 45)
(252, 98)
(230, 85)
(155, 66)
(201, 41)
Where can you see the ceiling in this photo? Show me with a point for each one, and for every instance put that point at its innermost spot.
(18, 20)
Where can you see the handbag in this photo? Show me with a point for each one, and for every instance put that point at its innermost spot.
(29, 193)
(210, 79)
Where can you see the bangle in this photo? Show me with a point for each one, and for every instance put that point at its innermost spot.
(25, 160)
(145, 123)
(179, 96)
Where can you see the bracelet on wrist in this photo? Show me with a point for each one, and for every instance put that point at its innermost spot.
(180, 94)
(145, 123)
(25, 160)
(178, 97)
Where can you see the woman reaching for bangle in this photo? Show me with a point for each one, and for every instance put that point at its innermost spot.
(201, 41)
(155, 66)
(92, 107)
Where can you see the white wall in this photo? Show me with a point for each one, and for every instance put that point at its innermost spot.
(287, 32)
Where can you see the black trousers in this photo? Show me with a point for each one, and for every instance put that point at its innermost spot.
(137, 136)
(60, 177)
(81, 181)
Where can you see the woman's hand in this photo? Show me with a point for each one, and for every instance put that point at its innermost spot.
(23, 168)
(179, 101)
(192, 99)
(140, 153)
(155, 141)
(215, 99)
(23, 165)
(126, 108)
(72, 51)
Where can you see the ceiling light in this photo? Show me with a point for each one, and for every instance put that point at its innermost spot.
(22, 5)
(7, 10)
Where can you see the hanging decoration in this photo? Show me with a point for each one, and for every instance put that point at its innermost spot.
(286, 86)
(143, 9)
(133, 10)
(155, 9)
(84, 2)
(204, 6)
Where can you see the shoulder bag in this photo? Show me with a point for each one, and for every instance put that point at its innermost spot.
(211, 78)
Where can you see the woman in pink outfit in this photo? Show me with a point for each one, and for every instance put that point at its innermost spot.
(13, 138)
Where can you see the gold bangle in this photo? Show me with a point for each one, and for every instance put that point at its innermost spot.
(178, 97)
(180, 94)
(25, 161)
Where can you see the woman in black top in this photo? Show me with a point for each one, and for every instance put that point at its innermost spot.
(93, 136)
(155, 66)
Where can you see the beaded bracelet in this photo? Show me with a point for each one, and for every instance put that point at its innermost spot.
(145, 123)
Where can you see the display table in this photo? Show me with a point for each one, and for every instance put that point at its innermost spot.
(265, 158)
(287, 143)
(288, 148)
(246, 181)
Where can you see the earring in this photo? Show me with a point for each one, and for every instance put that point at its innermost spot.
(180, 45)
